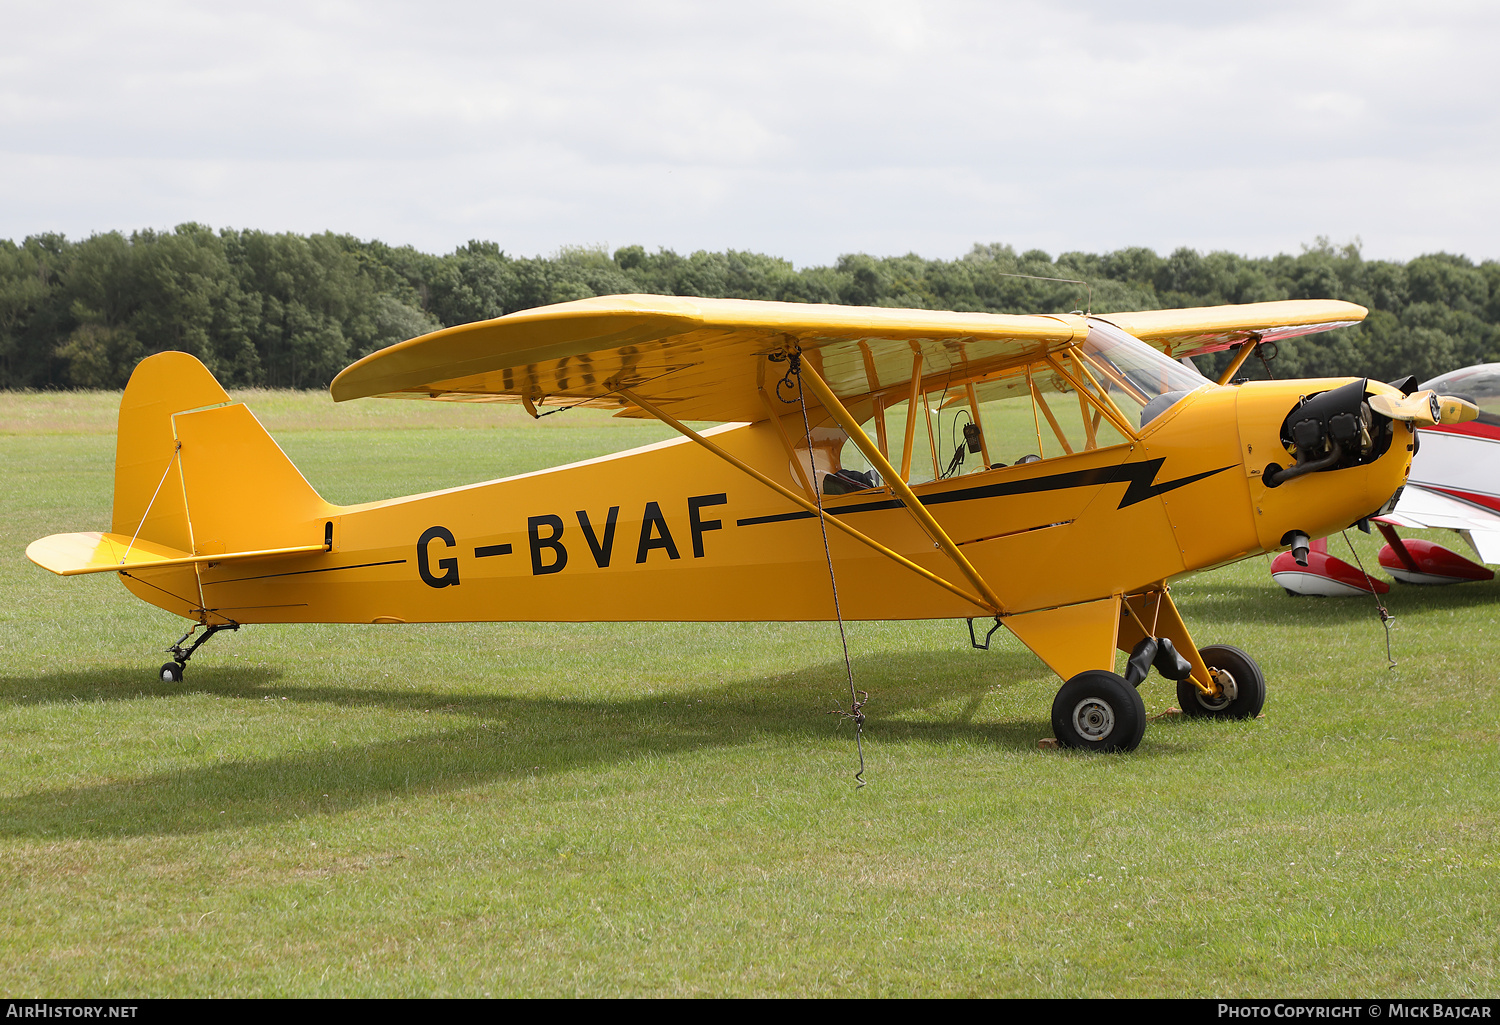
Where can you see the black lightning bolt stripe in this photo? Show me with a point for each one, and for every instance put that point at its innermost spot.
(1138, 475)
(891, 503)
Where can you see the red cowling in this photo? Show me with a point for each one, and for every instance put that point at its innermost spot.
(1434, 564)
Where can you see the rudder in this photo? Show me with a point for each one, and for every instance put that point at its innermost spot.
(197, 472)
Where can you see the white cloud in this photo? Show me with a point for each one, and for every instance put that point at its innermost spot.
(801, 129)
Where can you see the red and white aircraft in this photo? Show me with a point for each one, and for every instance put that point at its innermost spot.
(1454, 485)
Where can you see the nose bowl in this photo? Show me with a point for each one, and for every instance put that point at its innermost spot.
(1315, 503)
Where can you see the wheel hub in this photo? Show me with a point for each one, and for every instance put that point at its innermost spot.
(1228, 691)
(1094, 719)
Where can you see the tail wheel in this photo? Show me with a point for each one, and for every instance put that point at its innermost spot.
(1098, 711)
(171, 673)
(1244, 690)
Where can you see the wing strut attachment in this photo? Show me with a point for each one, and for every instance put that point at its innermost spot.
(992, 604)
(1244, 350)
(913, 504)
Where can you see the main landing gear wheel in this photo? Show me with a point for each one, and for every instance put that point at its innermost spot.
(171, 673)
(1245, 689)
(1098, 711)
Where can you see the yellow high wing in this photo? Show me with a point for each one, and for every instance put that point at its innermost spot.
(1207, 329)
(700, 359)
(697, 359)
(1212, 328)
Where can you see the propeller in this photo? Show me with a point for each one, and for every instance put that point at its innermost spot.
(1424, 408)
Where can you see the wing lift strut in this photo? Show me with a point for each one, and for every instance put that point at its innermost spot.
(806, 375)
(982, 595)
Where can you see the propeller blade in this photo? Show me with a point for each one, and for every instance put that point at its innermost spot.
(1454, 410)
(1424, 408)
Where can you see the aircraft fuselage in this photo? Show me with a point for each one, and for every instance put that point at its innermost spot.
(671, 532)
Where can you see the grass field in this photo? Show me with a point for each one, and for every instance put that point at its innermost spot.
(668, 809)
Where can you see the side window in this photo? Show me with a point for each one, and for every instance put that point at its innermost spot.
(1017, 416)
(892, 421)
(830, 453)
(838, 466)
(1027, 416)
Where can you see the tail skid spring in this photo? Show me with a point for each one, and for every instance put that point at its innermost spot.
(172, 672)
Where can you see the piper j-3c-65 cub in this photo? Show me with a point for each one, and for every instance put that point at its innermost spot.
(1052, 472)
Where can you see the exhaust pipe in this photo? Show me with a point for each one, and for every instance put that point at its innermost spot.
(1299, 544)
(1276, 476)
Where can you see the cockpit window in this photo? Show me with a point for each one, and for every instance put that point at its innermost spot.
(1142, 381)
(966, 421)
(1035, 412)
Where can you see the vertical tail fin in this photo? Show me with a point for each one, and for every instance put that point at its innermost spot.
(149, 497)
(196, 476)
(197, 472)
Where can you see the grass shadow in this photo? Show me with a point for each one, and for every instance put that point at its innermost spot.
(489, 738)
(126, 685)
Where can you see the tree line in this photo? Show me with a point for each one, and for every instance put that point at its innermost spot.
(291, 311)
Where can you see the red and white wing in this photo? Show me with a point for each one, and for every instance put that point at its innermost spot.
(1420, 508)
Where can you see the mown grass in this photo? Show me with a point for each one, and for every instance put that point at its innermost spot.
(667, 808)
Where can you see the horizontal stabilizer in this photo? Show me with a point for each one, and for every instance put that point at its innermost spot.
(95, 552)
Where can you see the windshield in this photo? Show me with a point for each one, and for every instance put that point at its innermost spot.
(1140, 379)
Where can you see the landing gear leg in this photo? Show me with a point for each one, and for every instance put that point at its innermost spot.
(172, 671)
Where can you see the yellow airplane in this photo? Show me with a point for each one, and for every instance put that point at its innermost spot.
(1053, 472)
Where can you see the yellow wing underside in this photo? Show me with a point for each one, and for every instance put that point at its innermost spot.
(704, 359)
(1214, 328)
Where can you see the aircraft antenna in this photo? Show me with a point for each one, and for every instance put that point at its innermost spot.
(1087, 310)
(856, 702)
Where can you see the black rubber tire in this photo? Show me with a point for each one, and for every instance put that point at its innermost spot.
(1098, 711)
(171, 672)
(1248, 680)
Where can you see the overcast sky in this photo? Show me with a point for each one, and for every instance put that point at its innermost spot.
(804, 129)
